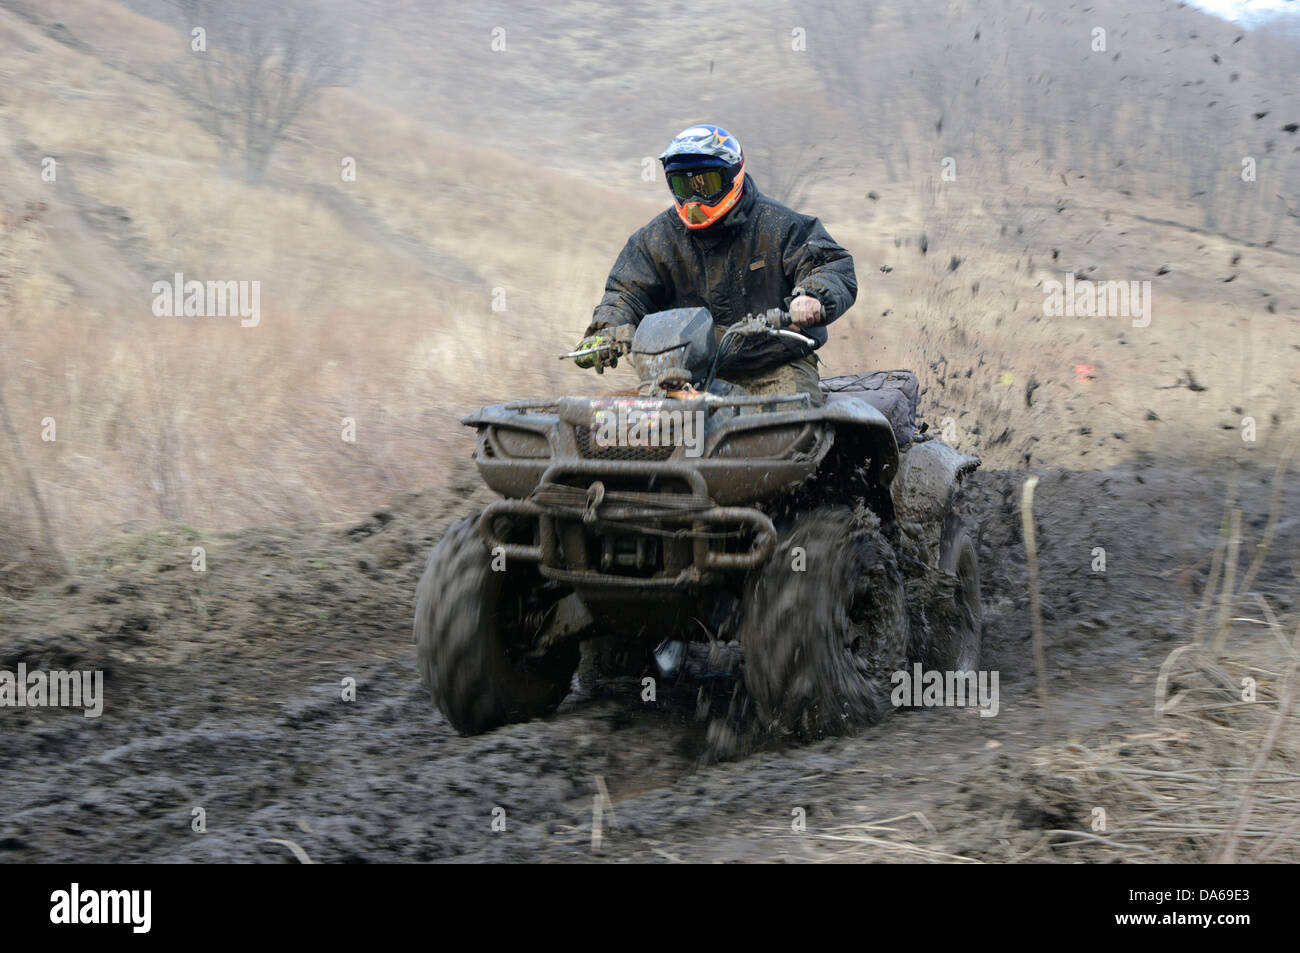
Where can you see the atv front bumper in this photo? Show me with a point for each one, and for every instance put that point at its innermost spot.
(592, 524)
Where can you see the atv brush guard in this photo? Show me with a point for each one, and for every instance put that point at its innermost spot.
(591, 535)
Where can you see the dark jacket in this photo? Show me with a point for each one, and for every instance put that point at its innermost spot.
(748, 262)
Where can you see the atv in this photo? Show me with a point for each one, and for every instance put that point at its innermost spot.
(827, 541)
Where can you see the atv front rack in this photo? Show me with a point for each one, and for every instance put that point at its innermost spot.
(584, 529)
(705, 401)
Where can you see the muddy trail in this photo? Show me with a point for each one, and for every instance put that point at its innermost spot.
(224, 692)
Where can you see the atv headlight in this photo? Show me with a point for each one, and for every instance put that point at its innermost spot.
(522, 444)
(771, 443)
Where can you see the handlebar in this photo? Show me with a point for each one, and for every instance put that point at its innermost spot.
(774, 322)
(613, 344)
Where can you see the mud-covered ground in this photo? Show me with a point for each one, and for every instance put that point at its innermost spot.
(224, 692)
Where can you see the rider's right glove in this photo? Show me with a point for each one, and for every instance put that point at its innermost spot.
(599, 359)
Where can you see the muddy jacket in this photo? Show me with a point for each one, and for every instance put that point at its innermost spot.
(749, 261)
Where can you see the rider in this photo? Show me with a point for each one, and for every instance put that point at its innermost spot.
(727, 247)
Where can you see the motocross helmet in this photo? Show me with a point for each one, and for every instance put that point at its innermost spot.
(705, 168)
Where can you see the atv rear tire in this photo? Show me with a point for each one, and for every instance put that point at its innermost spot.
(821, 645)
(472, 641)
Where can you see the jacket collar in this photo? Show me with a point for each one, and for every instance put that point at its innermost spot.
(740, 214)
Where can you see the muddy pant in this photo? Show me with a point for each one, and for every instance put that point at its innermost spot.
(797, 377)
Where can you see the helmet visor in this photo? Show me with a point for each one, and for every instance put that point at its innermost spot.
(707, 185)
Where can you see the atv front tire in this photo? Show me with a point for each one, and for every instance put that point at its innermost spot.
(823, 642)
(473, 644)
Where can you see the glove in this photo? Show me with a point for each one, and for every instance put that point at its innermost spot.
(598, 359)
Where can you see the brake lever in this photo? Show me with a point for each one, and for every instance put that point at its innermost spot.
(797, 336)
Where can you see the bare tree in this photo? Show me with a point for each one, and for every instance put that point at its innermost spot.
(260, 65)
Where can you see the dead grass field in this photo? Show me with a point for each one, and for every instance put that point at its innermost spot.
(377, 299)
(377, 305)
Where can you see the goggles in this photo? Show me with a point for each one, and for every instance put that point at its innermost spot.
(702, 185)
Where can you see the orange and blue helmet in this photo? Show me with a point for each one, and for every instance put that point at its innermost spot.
(705, 168)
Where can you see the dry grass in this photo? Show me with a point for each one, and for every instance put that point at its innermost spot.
(377, 298)
(377, 302)
(1217, 781)
(1218, 778)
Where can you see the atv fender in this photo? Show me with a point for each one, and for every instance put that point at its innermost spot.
(928, 474)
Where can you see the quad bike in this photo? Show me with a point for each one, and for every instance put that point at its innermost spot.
(827, 540)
